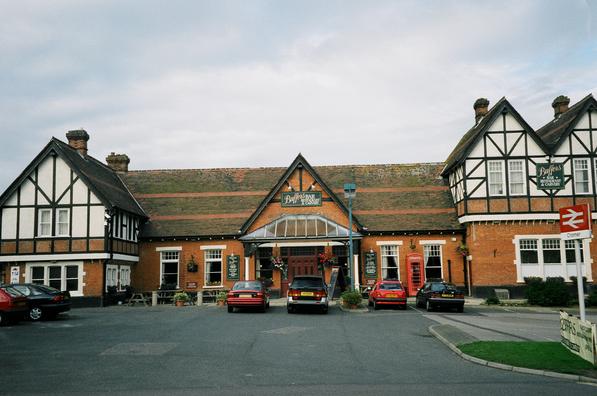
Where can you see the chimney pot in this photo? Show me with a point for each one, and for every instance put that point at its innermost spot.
(77, 139)
(481, 107)
(560, 105)
(118, 162)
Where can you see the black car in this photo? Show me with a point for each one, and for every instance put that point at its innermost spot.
(307, 291)
(44, 302)
(440, 294)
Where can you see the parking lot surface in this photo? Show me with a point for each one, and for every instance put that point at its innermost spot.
(205, 350)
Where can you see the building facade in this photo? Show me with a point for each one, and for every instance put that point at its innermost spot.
(484, 219)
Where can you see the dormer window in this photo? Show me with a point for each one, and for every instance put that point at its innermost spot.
(496, 177)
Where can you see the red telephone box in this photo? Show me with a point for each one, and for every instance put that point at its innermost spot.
(414, 272)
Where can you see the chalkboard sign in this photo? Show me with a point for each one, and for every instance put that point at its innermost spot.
(333, 280)
(233, 267)
(370, 265)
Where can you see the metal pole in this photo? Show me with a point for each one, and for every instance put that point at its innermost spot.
(579, 280)
(350, 255)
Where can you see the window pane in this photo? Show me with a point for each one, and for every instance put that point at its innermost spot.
(72, 284)
(37, 273)
(72, 271)
(55, 272)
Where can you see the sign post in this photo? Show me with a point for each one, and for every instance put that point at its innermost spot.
(575, 224)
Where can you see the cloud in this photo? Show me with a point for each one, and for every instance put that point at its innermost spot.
(211, 85)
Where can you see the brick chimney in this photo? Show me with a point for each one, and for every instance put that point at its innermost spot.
(481, 107)
(560, 105)
(118, 162)
(77, 139)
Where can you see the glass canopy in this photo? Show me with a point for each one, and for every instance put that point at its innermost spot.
(300, 226)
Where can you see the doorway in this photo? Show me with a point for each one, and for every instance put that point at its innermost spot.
(302, 265)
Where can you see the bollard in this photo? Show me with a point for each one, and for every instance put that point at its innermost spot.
(200, 297)
(154, 298)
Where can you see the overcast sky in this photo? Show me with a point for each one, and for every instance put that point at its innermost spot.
(202, 84)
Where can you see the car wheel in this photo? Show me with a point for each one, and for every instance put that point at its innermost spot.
(230, 309)
(263, 308)
(324, 310)
(2, 319)
(35, 313)
(429, 307)
(460, 308)
(418, 303)
(267, 305)
(290, 309)
(375, 306)
(370, 303)
(403, 307)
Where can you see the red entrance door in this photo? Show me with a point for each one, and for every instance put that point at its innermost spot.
(302, 265)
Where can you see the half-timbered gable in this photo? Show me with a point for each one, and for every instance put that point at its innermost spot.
(58, 216)
(491, 170)
(508, 182)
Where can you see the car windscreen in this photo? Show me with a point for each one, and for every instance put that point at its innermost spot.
(442, 286)
(47, 289)
(390, 286)
(307, 283)
(247, 286)
(12, 291)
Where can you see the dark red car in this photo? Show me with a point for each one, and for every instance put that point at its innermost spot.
(248, 294)
(45, 302)
(13, 305)
(387, 293)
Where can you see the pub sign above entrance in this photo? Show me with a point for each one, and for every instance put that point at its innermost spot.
(301, 198)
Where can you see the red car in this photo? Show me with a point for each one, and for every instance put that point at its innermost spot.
(13, 305)
(387, 293)
(248, 294)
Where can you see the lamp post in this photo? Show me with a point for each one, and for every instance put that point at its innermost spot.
(350, 191)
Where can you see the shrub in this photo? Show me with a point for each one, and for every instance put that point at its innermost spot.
(352, 297)
(534, 292)
(592, 299)
(222, 296)
(493, 300)
(548, 293)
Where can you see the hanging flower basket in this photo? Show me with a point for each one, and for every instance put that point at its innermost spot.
(279, 264)
(326, 259)
(463, 250)
(192, 265)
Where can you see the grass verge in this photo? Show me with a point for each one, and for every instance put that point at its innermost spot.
(551, 356)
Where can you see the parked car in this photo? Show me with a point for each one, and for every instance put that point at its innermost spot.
(387, 293)
(248, 294)
(13, 305)
(44, 302)
(307, 290)
(440, 294)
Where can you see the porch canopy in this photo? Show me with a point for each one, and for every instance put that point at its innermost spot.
(300, 227)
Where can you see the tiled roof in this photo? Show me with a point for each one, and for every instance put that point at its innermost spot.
(460, 151)
(101, 178)
(553, 132)
(212, 202)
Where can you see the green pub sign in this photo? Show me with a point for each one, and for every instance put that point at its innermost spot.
(301, 198)
(550, 176)
(233, 267)
(370, 265)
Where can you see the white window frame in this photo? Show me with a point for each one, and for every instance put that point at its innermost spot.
(125, 277)
(576, 169)
(59, 223)
(427, 248)
(111, 275)
(168, 257)
(389, 250)
(490, 182)
(568, 269)
(211, 257)
(63, 279)
(522, 176)
(47, 223)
